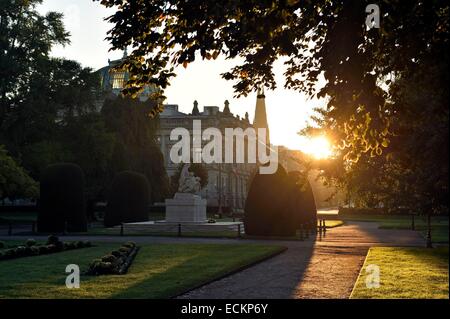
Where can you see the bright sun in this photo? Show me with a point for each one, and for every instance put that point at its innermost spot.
(319, 147)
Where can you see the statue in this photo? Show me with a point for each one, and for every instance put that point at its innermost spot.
(188, 183)
(186, 206)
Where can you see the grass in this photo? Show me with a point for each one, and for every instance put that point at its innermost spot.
(439, 224)
(417, 273)
(159, 271)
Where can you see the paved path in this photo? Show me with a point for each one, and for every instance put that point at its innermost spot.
(326, 267)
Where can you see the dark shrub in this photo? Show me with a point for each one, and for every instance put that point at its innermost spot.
(129, 199)
(52, 239)
(30, 242)
(109, 258)
(10, 252)
(43, 250)
(59, 245)
(301, 204)
(87, 243)
(125, 250)
(2, 245)
(265, 207)
(129, 244)
(309, 204)
(117, 253)
(34, 250)
(94, 266)
(51, 248)
(2, 255)
(72, 245)
(80, 244)
(20, 251)
(62, 199)
(28, 251)
(99, 267)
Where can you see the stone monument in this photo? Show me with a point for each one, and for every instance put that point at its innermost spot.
(186, 206)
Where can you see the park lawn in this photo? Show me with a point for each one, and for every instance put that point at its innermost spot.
(417, 273)
(159, 270)
(439, 224)
(439, 234)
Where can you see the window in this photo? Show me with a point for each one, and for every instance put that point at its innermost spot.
(118, 79)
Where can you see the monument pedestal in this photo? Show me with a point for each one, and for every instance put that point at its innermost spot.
(186, 208)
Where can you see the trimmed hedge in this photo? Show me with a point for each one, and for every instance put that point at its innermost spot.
(30, 248)
(117, 262)
(279, 204)
(302, 201)
(266, 212)
(62, 199)
(129, 199)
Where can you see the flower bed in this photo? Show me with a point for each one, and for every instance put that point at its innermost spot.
(115, 263)
(31, 248)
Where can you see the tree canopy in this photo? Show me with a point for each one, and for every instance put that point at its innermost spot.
(26, 38)
(50, 109)
(14, 180)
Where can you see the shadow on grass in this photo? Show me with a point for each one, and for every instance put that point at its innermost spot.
(190, 274)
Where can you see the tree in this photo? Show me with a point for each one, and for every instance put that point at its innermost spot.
(91, 146)
(58, 91)
(14, 180)
(26, 38)
(37, 92)
(135, 147)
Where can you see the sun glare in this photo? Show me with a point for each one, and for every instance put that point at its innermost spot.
(318, 147)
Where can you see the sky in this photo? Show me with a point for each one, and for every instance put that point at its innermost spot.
(287, 111)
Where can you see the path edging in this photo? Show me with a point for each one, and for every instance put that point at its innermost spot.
(359, 273)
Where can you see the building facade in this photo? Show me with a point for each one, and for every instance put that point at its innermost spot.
(227, 182)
